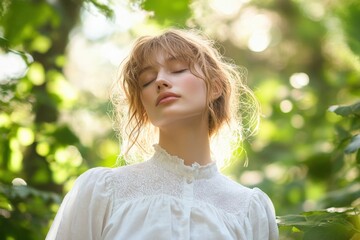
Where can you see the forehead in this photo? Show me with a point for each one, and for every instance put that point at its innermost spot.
(151, 51)
(161, 57)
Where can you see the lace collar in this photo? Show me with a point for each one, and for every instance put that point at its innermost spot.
(176, 165)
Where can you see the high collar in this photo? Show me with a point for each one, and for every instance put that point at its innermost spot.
(176, 165)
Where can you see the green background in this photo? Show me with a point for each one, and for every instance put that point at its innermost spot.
(305, 156)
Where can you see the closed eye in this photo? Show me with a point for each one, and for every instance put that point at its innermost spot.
(148, 83)
(181, 70)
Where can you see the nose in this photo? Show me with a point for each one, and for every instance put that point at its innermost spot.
(162, 82)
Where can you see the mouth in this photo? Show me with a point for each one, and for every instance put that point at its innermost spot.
(166, 97)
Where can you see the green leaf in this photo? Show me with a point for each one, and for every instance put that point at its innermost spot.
(354, 145)
(329, 231)
(319, 166)
(174, 12)
(4, 43)
(329, 224)
(24, 19)
(21, 192)
(349, 16)
(292, 220)
(65, 135)
(342, 133)
(353, 109)
(106, 10)
(341, 197)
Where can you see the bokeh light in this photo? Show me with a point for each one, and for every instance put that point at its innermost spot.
(299, 80)
(286, 106)
(12, 66)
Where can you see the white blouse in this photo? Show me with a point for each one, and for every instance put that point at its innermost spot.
(163, 199)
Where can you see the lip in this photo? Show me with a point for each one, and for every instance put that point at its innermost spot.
(165, 95)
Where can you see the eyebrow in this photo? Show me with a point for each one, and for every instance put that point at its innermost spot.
(167, 60)
(144, 70)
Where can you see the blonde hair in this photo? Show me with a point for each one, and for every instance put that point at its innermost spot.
(224, 79)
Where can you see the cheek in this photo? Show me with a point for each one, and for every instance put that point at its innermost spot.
(146, 99)
(196, 87)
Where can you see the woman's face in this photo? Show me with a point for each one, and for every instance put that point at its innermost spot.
(170, 93)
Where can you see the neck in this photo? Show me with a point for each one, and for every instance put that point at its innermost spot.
(189, 142)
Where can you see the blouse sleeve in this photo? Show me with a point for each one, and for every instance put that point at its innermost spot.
(262, 217)
(84, 209)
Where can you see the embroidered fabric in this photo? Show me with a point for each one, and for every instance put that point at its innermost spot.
(167, 174)
(163, 199)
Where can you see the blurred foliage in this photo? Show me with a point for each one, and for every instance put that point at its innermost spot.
(307, 78)
(341, 219)
(322, 225)
(167, 14)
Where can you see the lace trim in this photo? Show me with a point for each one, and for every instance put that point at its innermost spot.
(164, 174)
(144, 179)
(176, 165)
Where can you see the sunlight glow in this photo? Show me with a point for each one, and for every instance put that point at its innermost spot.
(62, 88)
(25, 136)
(259, 41)
(96, 26)
(69, 155)
(252, 30)
(286, 106)
(299, 80)
(275, 172)
(36, 73)
(297, 121)
(112, 53)
(352, 175)
(314, 10)
(12, 66)
(15, 163)
(5, 120)
(107, 147)
(251, 177)
(227, 7)
(43, 148)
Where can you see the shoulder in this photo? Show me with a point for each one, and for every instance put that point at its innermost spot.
(94, 178)
(123, 178)
(226, 194)
(105, 175)
(84, 207)
(128, 173)
(102, 183)
(94, 175)
(235, 189)
(256, 207)
(261, 215)
(242, 198)
(261, 204)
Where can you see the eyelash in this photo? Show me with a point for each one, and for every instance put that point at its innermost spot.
(180, 71)
(148, 83)
(176, 72)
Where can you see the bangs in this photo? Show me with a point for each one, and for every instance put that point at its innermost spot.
(172, 45)
(226, 91)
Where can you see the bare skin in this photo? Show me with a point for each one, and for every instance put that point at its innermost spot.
(182, 117)
(188, 140)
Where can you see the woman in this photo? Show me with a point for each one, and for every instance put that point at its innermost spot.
(178, 83)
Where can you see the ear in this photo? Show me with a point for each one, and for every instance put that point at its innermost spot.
(215, 92)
